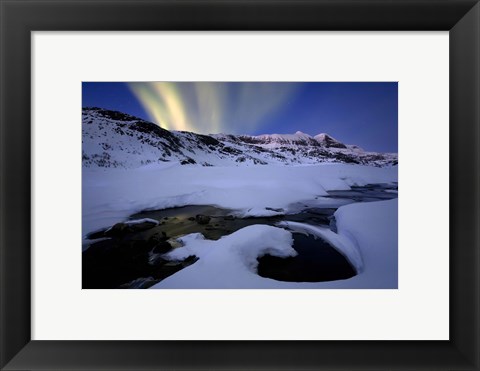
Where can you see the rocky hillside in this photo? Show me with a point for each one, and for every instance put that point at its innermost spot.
(115, 139)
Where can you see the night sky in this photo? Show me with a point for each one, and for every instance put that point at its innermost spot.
(361, 113)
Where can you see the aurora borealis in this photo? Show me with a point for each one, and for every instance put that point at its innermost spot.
(363, 113)
(210, 107)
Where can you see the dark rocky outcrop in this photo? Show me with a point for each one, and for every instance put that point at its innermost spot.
(202, 219)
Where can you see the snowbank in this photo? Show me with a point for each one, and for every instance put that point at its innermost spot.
(367, 236)
(231, 261)
(374, 228)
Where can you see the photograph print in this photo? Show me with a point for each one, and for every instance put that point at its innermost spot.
(239, 185)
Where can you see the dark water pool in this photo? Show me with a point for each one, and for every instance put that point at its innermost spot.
(316, 261)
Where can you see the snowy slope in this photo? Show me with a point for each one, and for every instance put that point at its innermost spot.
(115, 139)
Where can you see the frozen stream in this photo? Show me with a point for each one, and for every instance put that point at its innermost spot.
(131, 256)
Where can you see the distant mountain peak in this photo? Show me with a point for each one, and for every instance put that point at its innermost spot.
(329, 141)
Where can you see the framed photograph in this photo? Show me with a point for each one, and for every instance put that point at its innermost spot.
(260, 211)
(238, 184)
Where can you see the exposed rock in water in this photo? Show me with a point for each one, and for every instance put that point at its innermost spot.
(120, 229)
(117, 230)
(162, 247)
(158, 237)
(202, 219)
(174, 243)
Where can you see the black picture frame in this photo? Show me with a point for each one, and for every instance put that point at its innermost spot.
(18, 18)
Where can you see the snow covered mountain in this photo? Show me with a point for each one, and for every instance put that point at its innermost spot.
(115, 139)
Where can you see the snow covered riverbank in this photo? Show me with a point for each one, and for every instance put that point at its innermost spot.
(111, 195)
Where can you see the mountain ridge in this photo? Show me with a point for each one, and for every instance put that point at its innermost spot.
(115, 139)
